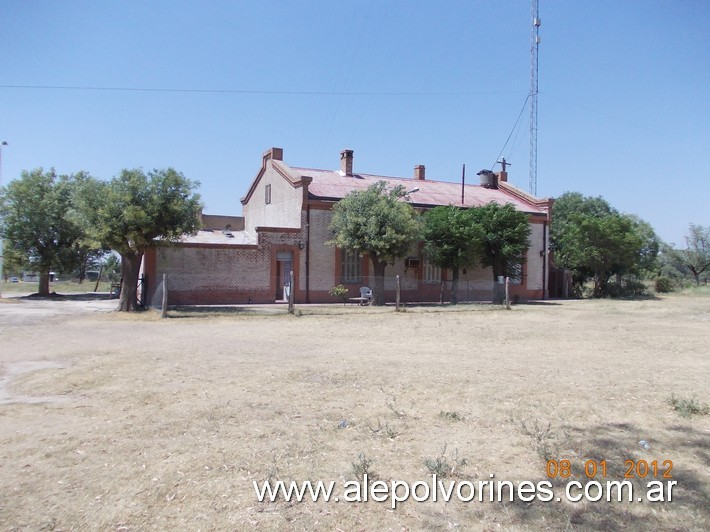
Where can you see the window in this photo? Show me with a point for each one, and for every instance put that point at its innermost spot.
(267, 194)
(516, 274)
(351, 271)
(432, 273)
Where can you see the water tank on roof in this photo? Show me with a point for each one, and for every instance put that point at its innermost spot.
(488, 179)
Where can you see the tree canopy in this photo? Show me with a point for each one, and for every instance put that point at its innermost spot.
(379, 223)
(136, 211)
(37, 222)
(504, 240)
(452, 240)
(593, 239)
(696, 255)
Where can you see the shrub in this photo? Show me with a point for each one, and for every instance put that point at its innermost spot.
(688, 407)
(664, 285)
(442, 467)
(451, 416)
(544, 440)
(363, 466)
(340, 292)
(627, 288)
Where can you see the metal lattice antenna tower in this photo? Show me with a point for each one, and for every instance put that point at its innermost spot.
(534, 44)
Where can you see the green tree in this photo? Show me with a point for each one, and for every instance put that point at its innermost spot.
(647, 263)
(87, 258)
(595, 241)
(572, 203)
(88, 251)
(452, 240)
(136, 211)
(13, 261)
(696, 255)
(37, 222)
(111, 267)
(600, 245)
(671, 265)
(565, 207)
(504, 241)
(379, 223)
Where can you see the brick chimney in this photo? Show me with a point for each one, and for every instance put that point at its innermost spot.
(277, 154)
(419, 172)
(346, 162)
(503, 174)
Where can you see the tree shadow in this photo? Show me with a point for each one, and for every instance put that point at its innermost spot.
(188, 311)
(79, 296)
(617, 444)
(538, 303)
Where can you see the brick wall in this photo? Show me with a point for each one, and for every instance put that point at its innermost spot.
(322, 257)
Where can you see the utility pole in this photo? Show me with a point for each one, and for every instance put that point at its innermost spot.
(2, 259)
(534, 44)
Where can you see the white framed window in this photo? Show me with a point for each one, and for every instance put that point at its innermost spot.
(351, 267)
(267, 194)
(432, 273)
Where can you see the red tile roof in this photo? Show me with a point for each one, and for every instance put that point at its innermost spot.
(329, 184)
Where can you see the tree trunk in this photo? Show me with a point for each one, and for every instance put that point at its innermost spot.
(378, 267)
(43, 287)
(454, 285)
(597, 291)
(696, 275)
(130, 269)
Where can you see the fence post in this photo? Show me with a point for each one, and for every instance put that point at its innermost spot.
(290, 292)
(397, 298)
(164, 308)
(507, 293)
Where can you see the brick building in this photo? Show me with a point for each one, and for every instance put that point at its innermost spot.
(284, 227)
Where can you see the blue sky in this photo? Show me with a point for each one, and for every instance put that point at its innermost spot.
(624, 105)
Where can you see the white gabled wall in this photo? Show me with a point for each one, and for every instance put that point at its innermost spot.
(284, 209)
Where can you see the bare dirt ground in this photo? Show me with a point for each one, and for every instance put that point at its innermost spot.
(118, 422)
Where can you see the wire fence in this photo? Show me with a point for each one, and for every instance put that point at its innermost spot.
(195, 290)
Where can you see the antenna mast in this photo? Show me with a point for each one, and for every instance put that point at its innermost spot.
(534, 44)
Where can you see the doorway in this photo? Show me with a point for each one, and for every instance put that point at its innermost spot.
(284, 267)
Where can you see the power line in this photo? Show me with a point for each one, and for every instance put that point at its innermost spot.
(525, 103)
(250, 91)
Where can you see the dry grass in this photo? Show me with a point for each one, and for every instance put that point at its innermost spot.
(166, 423)
(61, 287)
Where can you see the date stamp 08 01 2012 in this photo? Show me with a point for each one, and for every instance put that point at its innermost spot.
(594, 468)
(657, 471)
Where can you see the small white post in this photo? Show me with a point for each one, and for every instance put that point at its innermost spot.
(164, 309)
(290, 292)
(507, 293)
(398, 290)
